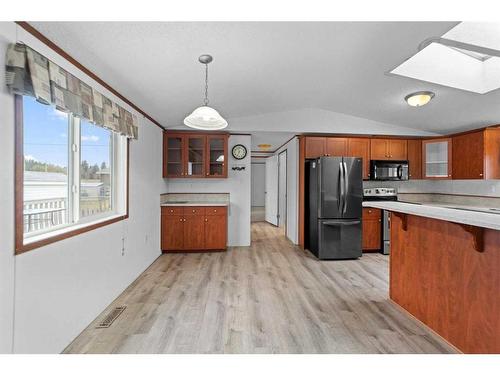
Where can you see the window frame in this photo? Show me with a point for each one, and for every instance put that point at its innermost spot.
(85, 225)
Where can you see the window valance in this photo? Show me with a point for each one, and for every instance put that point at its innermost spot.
(32, 74)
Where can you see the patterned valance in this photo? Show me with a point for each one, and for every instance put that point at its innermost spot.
(30, 73)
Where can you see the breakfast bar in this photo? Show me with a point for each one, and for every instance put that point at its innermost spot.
(444, 266)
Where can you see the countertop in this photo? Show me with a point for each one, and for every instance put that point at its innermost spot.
(197, 204)
(456, 215)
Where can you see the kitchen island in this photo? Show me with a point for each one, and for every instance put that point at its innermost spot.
(445, 271)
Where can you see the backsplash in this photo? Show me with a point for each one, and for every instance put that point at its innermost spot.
(484, 188)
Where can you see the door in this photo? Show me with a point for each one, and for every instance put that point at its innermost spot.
(360, 148)
(173, 148)
(340, 239)
(258, 184)
(272, 189)
(330, 187)
(436, 158)
(172, 232)
(415, 159)
(315, 147)
(468, 156)
(195, 155)
(282, 189)
(398, 149)
(336, 146)
(215, 232)
(379, 149)
(216, 163)
(372, 229)
(194, 232)
(353, 188)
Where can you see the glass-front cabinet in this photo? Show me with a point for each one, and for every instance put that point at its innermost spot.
(437, 158)
(173, 156)
(194, 155)
(196, 145)
(217, 153)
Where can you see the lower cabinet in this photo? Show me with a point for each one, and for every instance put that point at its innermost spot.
(372, 229)
(193, 228)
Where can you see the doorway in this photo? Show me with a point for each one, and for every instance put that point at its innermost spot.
(282, 190)
(258, 190)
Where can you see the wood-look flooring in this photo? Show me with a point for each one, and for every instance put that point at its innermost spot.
(271, 297)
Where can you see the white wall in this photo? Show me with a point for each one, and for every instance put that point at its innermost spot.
(237, 184)
(292, 171)
(258, 183)
(62, 287)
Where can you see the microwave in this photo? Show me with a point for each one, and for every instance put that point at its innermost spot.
(389, 170)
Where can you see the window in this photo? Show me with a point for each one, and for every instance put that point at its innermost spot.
(74, 175)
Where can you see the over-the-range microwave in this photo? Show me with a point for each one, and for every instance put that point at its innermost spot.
(389, 170)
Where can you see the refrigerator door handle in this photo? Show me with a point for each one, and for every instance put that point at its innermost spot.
(341, 188)
(346, 187)
(337, 223)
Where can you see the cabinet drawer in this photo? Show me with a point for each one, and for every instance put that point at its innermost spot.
(192, 210)
(215, 211)
(372, 214)
(172, 210)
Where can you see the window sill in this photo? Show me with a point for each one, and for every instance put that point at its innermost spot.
(66, 232)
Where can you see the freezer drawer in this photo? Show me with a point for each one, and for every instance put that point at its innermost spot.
(339, 239)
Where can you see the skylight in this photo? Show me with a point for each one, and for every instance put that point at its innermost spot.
(466, 58)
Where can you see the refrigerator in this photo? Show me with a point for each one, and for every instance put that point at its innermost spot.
(334, 196)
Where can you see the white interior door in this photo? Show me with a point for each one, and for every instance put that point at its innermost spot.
(282, 189)
(272, 189)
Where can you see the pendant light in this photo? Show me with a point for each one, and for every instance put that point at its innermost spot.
(205, 117)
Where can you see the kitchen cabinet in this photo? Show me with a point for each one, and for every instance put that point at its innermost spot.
(372, 229)
(189, 228)
(388, 149)
(194, 155)
(476, 155)
(315, 147)
(337, 146)
(415, 159)
(360, 148)
(437, 158)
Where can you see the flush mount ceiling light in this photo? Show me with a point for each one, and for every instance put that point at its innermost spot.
(467, 57)
(205, 117)
(419, 98)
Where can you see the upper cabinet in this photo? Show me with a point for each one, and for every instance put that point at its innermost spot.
(415, 159)
(388, 149)
(315, 147)
(194, 155)
(360, 148)
(436, 158)
(477, 155)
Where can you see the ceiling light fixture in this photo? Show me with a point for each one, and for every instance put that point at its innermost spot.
(419, 98)
(205, 117)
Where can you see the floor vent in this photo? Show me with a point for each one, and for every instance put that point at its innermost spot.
(111, 317)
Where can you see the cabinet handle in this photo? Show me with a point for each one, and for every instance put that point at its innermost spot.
(171, 210)
(206, 220)
(480, 175)
(216, 210)
(194, 210)
(180, 219)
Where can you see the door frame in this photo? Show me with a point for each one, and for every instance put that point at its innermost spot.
(286, 190)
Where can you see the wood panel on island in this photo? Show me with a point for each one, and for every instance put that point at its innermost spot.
(195, 155)
(191, 228)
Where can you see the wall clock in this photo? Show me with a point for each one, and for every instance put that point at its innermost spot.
(239, 152)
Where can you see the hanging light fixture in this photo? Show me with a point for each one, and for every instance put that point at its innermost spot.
(205, 117)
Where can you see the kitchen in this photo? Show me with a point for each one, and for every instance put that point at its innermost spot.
(371, 226)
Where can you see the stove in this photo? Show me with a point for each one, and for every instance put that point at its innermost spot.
(383, 194)
(380, 194)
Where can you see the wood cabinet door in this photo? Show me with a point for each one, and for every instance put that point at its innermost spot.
(415, 159)
(315, 147)
(336, 146)
(360, 148)
(173, 155)
(215, 232)
(379, 149)
(172, 232)
(372, 229)
(398, 149)
(216, 160)
(195, 155)
(468, 156)
(194, 232)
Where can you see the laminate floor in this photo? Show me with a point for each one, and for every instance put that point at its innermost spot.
(271, 297)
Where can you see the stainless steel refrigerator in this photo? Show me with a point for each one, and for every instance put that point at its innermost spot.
(334, 196)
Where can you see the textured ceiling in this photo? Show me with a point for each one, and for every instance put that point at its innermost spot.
(262, 68)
